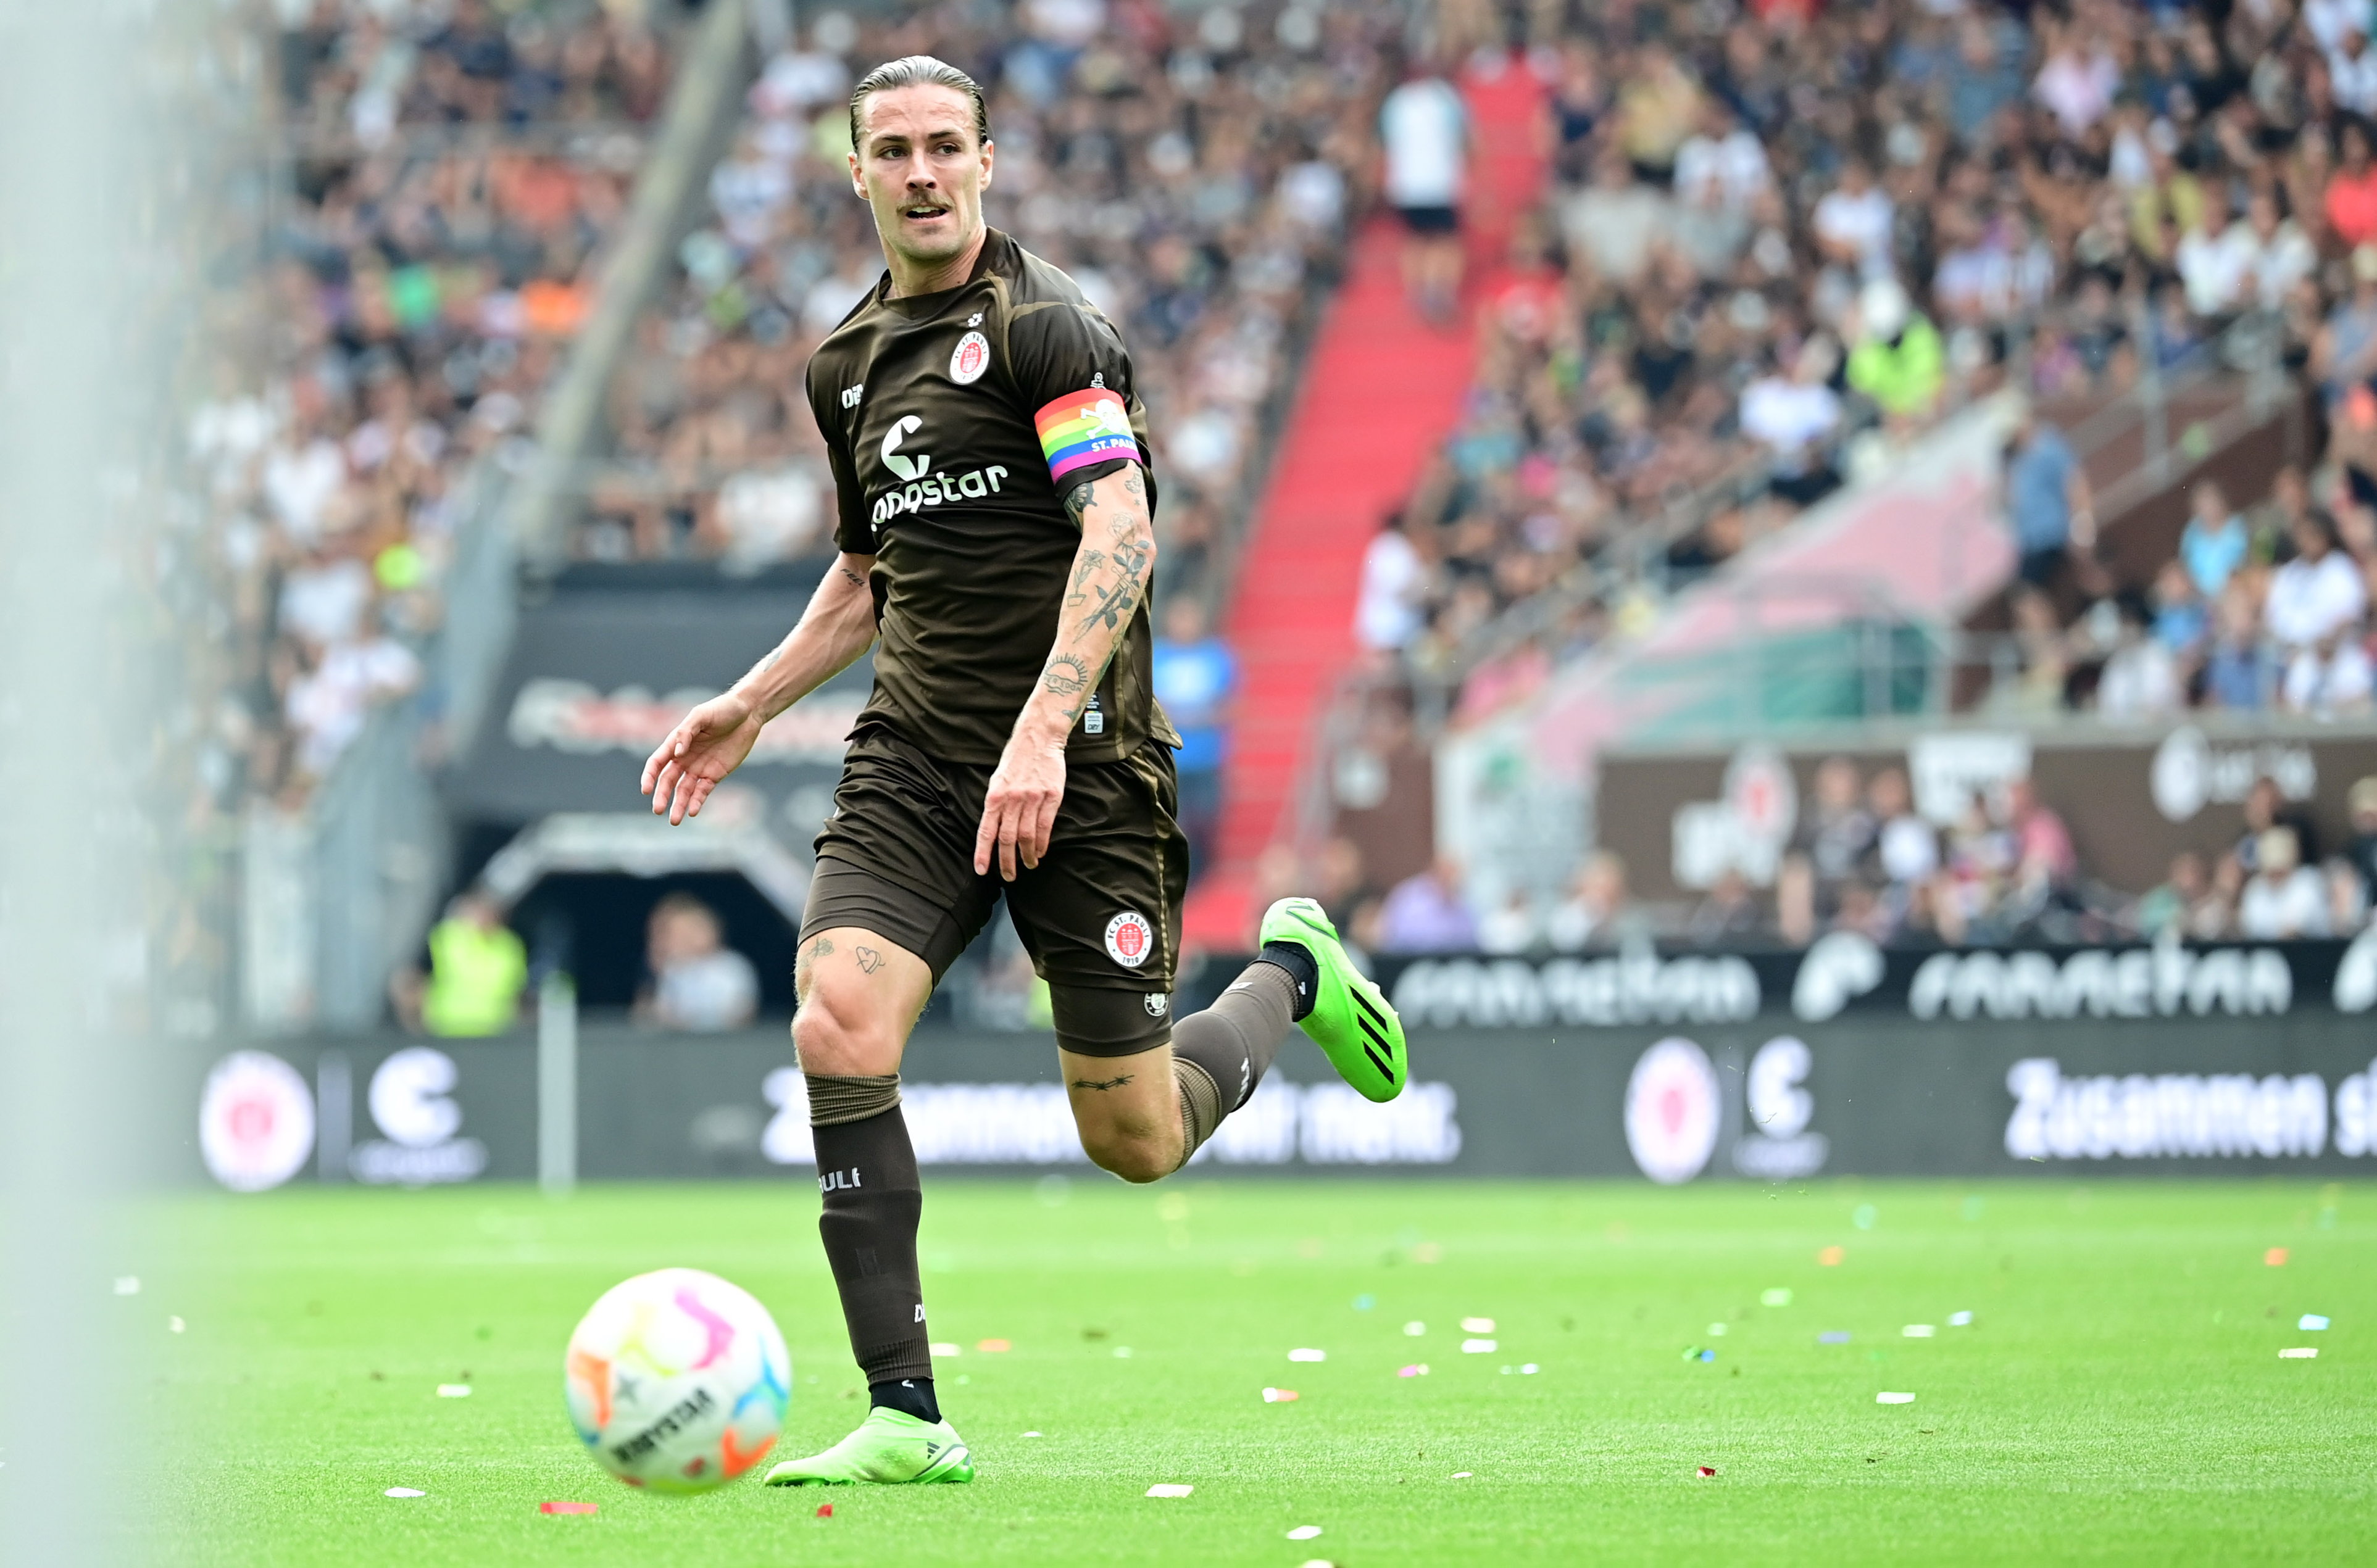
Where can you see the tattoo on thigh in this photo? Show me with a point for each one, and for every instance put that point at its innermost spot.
(1099, 1088)
(868, 959)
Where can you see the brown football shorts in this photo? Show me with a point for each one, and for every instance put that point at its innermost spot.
(1100, 914)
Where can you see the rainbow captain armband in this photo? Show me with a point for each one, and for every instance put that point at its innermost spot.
(1084, 427)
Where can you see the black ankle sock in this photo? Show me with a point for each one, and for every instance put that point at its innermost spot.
(909, 1395)
(1301, 966)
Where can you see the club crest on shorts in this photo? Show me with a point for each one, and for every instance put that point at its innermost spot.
(1129, 939)
(970, 359)
(1157, 1004)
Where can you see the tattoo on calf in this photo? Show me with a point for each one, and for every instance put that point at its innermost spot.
(1096, 1087)
(868, 959)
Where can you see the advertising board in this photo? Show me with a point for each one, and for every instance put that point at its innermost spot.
(1680, 1067)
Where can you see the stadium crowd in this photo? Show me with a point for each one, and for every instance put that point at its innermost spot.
(449, 172)
(1861, 859)
(1192, 170)
(2260, 608)
(1786, 236)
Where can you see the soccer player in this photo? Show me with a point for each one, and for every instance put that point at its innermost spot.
(995, 520)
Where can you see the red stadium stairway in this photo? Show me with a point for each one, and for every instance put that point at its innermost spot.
(1380, 389)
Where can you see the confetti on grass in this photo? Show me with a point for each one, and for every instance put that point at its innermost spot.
(1775, 1296)
(2275, 1257)
(994, 1347)
(1477, 1326)
(1169, 1488)
(566, 1507)
(1707, 1470)
(1281, 1395)
(2299, 1353)
(1415, 1328)
(127, 1285)
(825, 1510)
(1462, 1474)
(404, 1492)
(2310, 1323)
(944, 1348)
(1960, 1320)
(1307, 1354)
(453, 1391)
(1918, 1331)
(1032, 1434)
(1477, 1347)
(1831, 1257)
(1418, 1369)
(1833, 1336)
(1304, 1532)
(1893, 1398)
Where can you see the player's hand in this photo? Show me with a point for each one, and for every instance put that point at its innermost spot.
(707, 744)
(1019, 812)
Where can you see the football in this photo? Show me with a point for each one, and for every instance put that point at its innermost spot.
(677, 1381)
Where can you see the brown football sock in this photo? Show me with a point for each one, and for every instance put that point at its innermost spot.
(1219, 1055)
(867, 1169)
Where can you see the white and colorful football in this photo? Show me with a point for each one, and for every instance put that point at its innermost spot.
(677, 1381)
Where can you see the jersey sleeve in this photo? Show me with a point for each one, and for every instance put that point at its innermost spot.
(1075, 377)
(852, 530)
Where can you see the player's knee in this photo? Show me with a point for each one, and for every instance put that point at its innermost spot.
(1137, 1155)
(839, 1034)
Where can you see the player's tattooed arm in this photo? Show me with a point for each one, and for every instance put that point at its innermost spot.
(1084, 567)
(1065, 677)
(713, 740)
(837, 627)
(1103, 589)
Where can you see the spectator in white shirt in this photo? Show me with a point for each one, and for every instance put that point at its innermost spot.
(2285, 900)
(2215, 258)
(2326, 20)
(1722, 164)
(1424, 129)
(2352, 70)
(2331, 677)
(2077, 83)
(699, 983)
(1906, 847)
(323, 598)
(2141, 679)
(1793, 416)
(2319, 592)
(1395, 578)
(1853, 222)
(1616, 223)
(2280, 255)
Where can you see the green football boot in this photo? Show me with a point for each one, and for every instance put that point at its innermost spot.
(890, 1448)
(1350, 1021)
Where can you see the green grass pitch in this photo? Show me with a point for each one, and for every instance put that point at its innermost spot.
(2118, 1394)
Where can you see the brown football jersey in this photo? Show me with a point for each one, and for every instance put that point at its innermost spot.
(955, 422)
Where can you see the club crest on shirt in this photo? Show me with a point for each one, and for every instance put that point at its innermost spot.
(970, 359)
(1129, 939)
